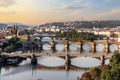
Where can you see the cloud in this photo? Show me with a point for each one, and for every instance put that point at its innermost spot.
(6, 3)
(7, 12)
(71, 7)
(110, 15)
(77, 0)
(108, 0)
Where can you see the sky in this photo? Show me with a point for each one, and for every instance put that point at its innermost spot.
(45, 11)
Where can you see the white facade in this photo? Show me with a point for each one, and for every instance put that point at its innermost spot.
(47, 29)
(107, 33)
(118, 39)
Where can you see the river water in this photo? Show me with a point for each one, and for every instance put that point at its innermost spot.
(26, 72)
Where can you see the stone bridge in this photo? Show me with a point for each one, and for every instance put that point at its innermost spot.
(61, 55)
(66, 57)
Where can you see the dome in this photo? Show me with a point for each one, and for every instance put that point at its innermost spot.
(51, 61)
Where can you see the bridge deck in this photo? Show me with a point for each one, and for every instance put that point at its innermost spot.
(59, 55)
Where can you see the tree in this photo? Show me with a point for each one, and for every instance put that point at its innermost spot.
(105, 67)
(96, 69)
(114, 72)
(23, 32)
(105, 72)
(110, 75)
(18, 45)
(95, 72)
(115, 60)
(33, 46)
(9, 49)
(14, 40)
(5, 45)
(86, 76)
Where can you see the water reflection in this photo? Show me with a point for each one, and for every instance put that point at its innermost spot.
(107, 61)
(19, 69)
(85, 62)
(51, 61)
(27, 72)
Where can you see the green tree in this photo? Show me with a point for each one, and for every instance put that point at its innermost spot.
(9, 49)
(18, 45)
(106, 72)
(5, 45)
(114, 72)
(14, 40)
(115, 60)
(95, 72)
(110, 75)
(96, 69)
(86, 76)
(23, 32)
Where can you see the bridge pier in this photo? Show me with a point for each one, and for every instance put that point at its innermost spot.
(53, 46)
(40, 47)
(102, 60)
(33, 59)
(67, 62)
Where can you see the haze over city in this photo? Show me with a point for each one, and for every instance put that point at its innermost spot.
(43, 11)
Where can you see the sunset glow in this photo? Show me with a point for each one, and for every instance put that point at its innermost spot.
(43, 11)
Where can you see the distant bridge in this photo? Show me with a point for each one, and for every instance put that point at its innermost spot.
(98, 56)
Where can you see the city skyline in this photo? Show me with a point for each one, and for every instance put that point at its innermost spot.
(43, 11)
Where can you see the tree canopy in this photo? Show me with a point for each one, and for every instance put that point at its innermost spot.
(105, 72)
(13, 44)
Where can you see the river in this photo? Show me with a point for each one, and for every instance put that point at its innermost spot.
(26, 72)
